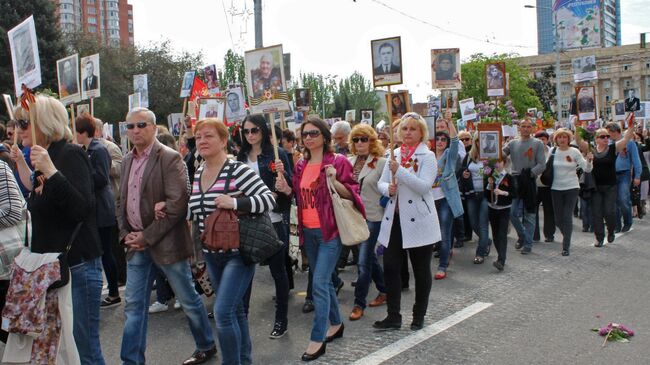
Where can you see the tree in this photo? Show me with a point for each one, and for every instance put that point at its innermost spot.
(234, 71)
(544, 88)
(320, 92)
(50, 44)
(355, 92)
(474, 81)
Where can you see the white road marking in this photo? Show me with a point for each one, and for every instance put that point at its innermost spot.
(422, 335)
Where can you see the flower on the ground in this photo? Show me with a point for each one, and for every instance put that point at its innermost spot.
(615, 332)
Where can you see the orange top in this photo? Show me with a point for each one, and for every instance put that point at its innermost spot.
(308, 185)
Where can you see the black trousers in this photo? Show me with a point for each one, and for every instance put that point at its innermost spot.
(421, 264)
(544, 198)
(499, 220)
(603, 207)
(4, 287)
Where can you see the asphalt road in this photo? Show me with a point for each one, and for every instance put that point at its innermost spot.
(540, 310)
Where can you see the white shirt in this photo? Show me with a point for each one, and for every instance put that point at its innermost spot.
(564, 168)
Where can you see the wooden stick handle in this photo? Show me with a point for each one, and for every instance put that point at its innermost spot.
(92, 107)
(72, 121)
(275, 140)
(183, 118)
(389, 108)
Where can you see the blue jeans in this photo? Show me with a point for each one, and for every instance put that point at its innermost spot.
(86, 281)
(369, 268)
(477, 209)
(141, 271)
(624, 200)
(526, 229)
(585, 214)
(446, 220)
(230, 278)
(164, 292)
(323, 257)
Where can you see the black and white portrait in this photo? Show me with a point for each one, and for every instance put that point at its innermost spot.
(350, 116)
(586, 103)
(632, 103)
(188, 81)
(134, 101)
(496, 79)
(235, 111)
(90, 79)
(489, 144)
(467, 109)
(83, 109)
(445, 68)
(386, 61)
(24, 55)
(68, 77)
(366, 116)
(302, 99)
(141, 85)
(584, 68)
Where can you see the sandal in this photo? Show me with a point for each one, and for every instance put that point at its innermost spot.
(478, 260)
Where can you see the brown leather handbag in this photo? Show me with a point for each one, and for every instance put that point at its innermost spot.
(221, 230)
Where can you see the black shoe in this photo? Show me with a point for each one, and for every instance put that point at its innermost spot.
(308, 306)
(498, 264)
(417, 323)
(199, 357)
(387, 324)
(110, 302)
(353, 284)
(436, 254)
(315, 355)
(598, 244)
(611, 236)
(279, 330)
(565, 252)
(337, 334)
(338, 287)
(519, 245)
(549, 239)
(458, 244)
(405, 287)
(585, 229)
(526, 250)
(211, 315)
(626, 228)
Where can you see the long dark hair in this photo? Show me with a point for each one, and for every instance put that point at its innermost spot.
(260, 122)
(324, 131)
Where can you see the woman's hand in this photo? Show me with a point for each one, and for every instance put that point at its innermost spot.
(392, 189)
(466, 174)
(159, 210)
(282, 186)
(590, 157)
(16, 154)
(393, 165)
(41, 161)
(498, 191)
(330, 171)
(279, 167)
(225, 202)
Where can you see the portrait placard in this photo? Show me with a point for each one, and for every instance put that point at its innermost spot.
(134, 101)
(90, 77)
(24, 55)
(83, 108)
(632, 103)
(619, 110)
(586, 103)
(188, 81)
(386, 56)
(302, 99)
(445, 68)
(141, 85)
(643, 111)
(124, 139)
(68, 77)
(584, 68)
(490, 140)
(350, 116)
(267, 90)
(9, 105)
(495, 77)
(174, 123)
(400, 103)
(211, 79)
(235, 111)
(467, 109)
(212, 108)
(366, 116)
(449, 100)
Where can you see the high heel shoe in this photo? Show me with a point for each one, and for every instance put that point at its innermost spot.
(337, 334)
(315, 355)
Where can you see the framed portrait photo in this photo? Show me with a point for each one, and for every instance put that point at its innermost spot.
(68, 78)
(490, 140)
(174, 121)
(267, 90)
(350, 116)
(399, 102)
(386, 61)
(586, 103)
(83, 108)
(449, 100)
(188, 81)
(235, 111)
(24, 55)
(141, 85)
(467, 109)
(366, 116)
(584, 68)
(445, 68)
(212, 108)
(302, 99)
(495, 78)
(90, 77)
(9, 104)
(211, 78)
(134, 101)
(619, 110)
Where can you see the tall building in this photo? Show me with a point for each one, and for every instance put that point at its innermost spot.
(583, 24)
(110, 20)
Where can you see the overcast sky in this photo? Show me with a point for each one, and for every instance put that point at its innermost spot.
(333, 36)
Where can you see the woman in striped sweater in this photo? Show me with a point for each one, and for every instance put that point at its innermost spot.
(229, 275)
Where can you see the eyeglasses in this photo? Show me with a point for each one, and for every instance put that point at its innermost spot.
(140, 125)
(360, 139)
(313, 133)
(465, 139)
(254, 130)
(22, 124)
(603, 136)
(441, 139)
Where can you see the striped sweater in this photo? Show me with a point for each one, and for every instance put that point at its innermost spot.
(12, 203)
(257, 198)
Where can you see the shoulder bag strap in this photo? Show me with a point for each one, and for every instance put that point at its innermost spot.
(73, 237)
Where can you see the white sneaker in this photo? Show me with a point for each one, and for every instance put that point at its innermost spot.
(157, 307)
(177, 304)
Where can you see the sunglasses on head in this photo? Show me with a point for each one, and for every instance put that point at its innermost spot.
(411, 115)
(360, 139)
(253, 130)
(22, 124)
(603, 136)
(313, 133)
(140, 125)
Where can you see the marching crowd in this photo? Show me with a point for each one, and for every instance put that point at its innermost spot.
(147, 216)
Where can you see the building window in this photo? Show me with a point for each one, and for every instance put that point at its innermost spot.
(92, 29)
(90, 1)
(607, 98)
(92, 20)
(607, 84)
(628, 84)
(627, 68)
(92, 10)
(608, 110)
(565, 113)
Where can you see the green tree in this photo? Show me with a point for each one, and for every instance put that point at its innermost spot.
(234, 71)
(544, 88)
(355, 92)
(321, 92)
(474, 81)
(50, 44)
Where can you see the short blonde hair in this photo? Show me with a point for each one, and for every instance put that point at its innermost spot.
(601, 131)
(365, 130)
(463, 134)
(417, 118)
(215, 123)
(562, 132)
(51, 118)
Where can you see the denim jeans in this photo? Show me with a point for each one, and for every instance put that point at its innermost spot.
(86, 281)
(164, 292)
(477, 209)
(446, 219)
(141, 271)
(369, 268)
(323, 257)
(624, 200)
(585, 214)
(230, 278)
(563, 203)
(525, 229)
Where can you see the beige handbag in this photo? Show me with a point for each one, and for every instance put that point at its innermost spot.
(353, 228)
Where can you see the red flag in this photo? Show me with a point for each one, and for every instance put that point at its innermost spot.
(199, 89)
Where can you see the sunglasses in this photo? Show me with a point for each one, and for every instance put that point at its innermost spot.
(22, 124)
(140, 125)
(441, 139)
(254, 130)
(465, 139)
(313, 133)
(603, 136)
(360, 139)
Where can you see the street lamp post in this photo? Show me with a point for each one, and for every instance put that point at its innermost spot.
(558, 82)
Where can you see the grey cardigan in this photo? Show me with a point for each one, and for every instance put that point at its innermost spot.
(370, 195)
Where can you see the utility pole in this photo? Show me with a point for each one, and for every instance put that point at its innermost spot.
(258, 23)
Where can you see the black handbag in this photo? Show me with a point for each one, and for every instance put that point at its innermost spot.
(547, 175)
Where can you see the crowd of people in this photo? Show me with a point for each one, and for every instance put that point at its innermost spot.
(140, 217)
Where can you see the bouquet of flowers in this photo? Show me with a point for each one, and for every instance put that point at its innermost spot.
(501, 113)
(615, 332)
(587, 132)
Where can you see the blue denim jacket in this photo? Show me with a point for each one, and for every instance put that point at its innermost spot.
(449, 183)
